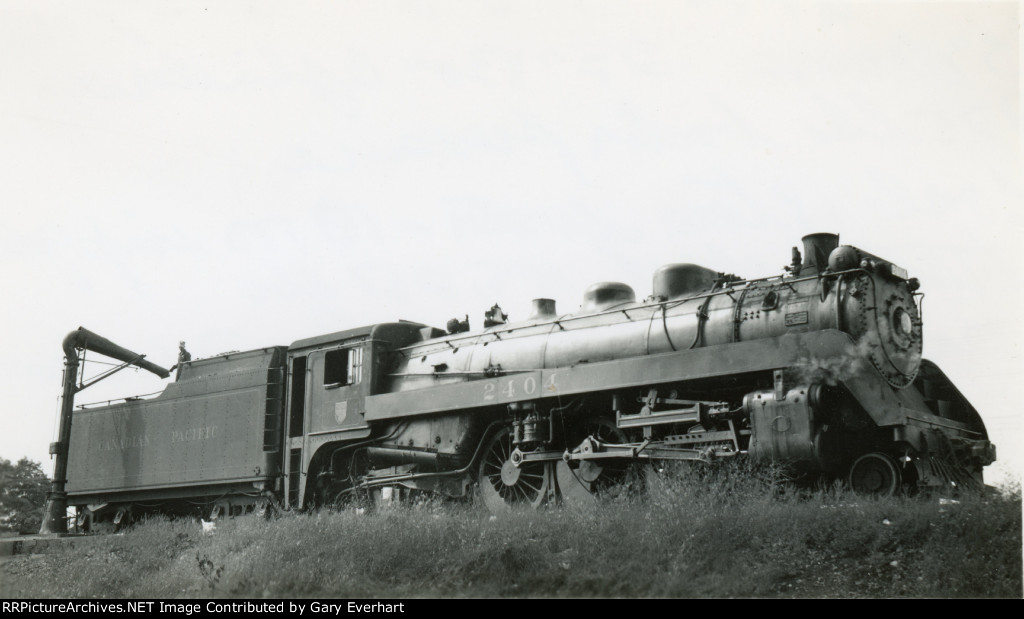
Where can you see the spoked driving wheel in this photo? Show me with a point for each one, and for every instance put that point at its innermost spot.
(599, 476)
(503, 485)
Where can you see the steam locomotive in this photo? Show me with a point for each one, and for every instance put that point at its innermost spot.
(819, 367)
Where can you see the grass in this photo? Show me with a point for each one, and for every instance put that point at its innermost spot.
(713, 533)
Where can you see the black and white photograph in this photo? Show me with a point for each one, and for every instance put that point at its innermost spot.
(345, 306)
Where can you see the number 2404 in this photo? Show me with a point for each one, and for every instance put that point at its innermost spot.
(512, 388)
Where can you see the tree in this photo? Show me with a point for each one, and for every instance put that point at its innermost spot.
(23, 489)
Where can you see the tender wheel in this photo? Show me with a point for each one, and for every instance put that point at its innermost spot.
(875, 474)
(263, 508)
(123, 518)
(504, 485)
(220, 509)
(85, 522)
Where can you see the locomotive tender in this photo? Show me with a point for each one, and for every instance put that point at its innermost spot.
(819, 367)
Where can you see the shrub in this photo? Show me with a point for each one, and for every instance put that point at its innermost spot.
(23, 489)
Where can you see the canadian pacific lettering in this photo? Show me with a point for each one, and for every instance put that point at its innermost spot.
(193, 434)
(122, 443)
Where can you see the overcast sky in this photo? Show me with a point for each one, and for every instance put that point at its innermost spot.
(244, 174)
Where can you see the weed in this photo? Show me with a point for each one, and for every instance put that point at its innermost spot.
(210, 572)
(721, 531)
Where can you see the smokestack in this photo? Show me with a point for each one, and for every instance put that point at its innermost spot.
(817, 248)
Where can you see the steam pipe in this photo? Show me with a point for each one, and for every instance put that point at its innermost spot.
(54, 520)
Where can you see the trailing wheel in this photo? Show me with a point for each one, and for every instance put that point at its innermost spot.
(875, 474)
(504, 485)
(337, 492)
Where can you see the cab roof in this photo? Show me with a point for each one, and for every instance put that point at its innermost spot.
(399, 333)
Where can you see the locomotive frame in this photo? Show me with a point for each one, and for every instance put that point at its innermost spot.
(819, 367)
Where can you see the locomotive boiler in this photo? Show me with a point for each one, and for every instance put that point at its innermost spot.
(819, 367)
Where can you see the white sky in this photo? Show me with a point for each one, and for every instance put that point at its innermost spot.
(242, 174)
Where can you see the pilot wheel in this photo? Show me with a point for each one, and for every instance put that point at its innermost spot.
(875, 474)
